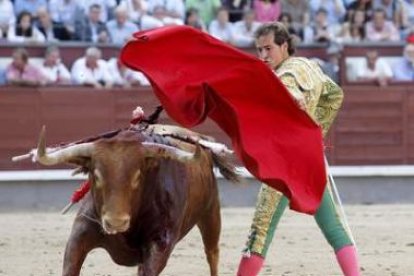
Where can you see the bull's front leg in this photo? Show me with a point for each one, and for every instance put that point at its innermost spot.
(156, 261)
(83, 238)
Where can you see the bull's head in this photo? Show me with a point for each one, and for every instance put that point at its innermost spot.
(115, 169)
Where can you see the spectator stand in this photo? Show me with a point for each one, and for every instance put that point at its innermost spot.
(376, 125)
(353, 55)
(70, 51)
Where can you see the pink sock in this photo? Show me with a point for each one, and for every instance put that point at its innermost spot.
(348, 260)
(250, 266)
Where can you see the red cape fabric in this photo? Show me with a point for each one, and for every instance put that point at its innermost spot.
(196, 76)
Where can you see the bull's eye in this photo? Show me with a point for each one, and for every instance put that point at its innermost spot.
(98, 178)
(136, 179)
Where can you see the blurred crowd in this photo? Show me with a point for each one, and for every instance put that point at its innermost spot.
(88, 70)
(333, 22)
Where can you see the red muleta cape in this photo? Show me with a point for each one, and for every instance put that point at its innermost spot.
(195, 75)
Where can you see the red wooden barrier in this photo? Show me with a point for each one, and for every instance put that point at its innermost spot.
(375, 126)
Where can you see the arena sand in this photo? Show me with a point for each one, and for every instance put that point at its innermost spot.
(32, 244)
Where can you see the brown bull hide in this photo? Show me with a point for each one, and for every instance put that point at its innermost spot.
(142, 203)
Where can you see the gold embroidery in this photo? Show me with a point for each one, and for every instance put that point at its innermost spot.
(267, 202)
(309, 86)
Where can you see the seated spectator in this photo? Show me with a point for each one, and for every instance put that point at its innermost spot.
(24, 30)
(237, 8)
(158, 19)
(393, 10)
(243, 31)
(52, 31)
(53, 69)
(375, 69)
(30, 6)
(348, 2)
(20, 72)
(125, 77)
(121, 29)
(267, 11)
(7, 17)
(175, 9)
(352, 34)
(363, 5)
(404, 69)
(91, 70)
(408, 14)
(300, 12)
(66, 13)
(331, 66)
(168, 17)
(335, 10)
(380, 29)
(2, 76)
(135, 8)
(353, 30)
(206, 8)
(357, 34)
(286, 20)
(106, 8)
(320, 31)
(155, 20)
(192, 18)
(220, 27)
(91, 29)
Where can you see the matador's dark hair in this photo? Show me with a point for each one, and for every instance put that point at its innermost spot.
(281, 34)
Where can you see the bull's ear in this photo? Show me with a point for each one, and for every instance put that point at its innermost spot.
(84, 165)
(80, 161)
(80, 170)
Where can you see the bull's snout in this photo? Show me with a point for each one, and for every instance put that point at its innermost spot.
(115, 224)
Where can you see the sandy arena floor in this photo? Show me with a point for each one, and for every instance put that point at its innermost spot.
(33, 244)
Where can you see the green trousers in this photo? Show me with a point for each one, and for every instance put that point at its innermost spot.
(269, 209)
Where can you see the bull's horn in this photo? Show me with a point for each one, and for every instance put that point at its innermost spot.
(180, 154)
(60, 155)
(22, 157)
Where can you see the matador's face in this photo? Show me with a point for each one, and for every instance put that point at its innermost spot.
(269, 52)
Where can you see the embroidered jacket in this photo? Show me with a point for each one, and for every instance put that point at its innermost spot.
(312, 89)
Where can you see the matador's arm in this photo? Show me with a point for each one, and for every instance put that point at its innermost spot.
(329, 104)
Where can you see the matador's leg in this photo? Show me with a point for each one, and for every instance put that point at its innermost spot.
(329, 222)
(269, 208)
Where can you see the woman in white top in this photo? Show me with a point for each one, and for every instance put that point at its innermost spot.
(24, 30)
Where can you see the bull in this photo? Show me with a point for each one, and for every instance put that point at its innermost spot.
(146, 194)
